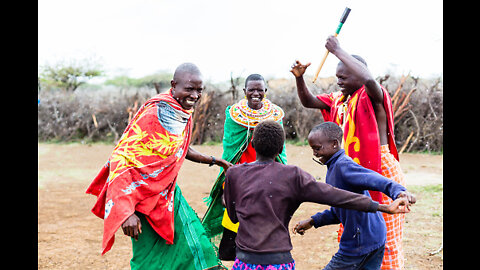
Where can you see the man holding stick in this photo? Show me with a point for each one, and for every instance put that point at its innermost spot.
(363, 109)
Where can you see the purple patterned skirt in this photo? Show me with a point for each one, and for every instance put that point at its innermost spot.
(239, 265)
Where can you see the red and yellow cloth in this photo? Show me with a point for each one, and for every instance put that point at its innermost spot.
(362, 143)
(141, 173)
(360, 133)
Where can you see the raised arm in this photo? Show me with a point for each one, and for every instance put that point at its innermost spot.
(307, 99)
(372, 87)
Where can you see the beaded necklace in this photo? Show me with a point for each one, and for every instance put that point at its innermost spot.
(248, 117)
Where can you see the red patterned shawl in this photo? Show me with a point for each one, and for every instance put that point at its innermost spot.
(141, 173)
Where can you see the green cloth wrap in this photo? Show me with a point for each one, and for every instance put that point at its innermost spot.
(191, 249)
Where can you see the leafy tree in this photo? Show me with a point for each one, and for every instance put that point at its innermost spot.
(162, 79)
(68, 76)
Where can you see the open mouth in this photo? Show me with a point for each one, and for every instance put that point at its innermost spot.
(256, 99)
(190, 102)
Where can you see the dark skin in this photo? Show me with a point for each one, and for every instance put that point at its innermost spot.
(187, 90)
(351, 75)
(324, 148)
(255, 93)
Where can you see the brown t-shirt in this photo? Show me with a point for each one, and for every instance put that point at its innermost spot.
(264, 196)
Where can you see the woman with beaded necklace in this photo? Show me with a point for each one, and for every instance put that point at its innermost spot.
(241, 118)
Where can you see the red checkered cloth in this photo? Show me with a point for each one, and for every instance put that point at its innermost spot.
(394, 256)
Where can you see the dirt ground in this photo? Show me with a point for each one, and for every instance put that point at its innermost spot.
(69, 235)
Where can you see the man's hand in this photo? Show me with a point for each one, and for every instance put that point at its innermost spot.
(132, 226)
(302, 226)
(332, 44)
(399, 206)
(223, 163)
(410, 197)
(298, 69)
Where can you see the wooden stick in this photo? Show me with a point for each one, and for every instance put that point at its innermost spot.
(342, 21)
(321, 63)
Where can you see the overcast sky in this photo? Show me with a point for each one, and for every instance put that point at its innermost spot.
(141, 37)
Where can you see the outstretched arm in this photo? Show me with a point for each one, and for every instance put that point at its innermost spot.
(372, 87)
(307, 189)
(400, 205)
(302, 226)
(195, 156)
(361, 178)
(307, 99)
(324, 218)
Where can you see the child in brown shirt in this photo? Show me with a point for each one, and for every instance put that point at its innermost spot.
(264, 195)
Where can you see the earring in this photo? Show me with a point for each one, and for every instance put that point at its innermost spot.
(173, 94)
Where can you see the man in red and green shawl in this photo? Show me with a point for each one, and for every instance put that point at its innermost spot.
(363, 109)
(241, 118)
(136, 189)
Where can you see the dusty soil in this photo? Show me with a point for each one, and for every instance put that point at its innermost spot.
(69, 235)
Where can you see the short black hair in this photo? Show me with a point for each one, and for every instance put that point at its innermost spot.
(254, 77)
(268, 138)
(331, 130)
(359, 58)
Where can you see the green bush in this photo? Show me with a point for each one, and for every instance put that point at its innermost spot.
(67, 76)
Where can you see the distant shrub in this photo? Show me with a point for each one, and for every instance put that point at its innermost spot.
(68, 76)
(64, 116)
(70, 116)
(162, 79)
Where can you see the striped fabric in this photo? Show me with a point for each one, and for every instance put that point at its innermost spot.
(393, 257)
